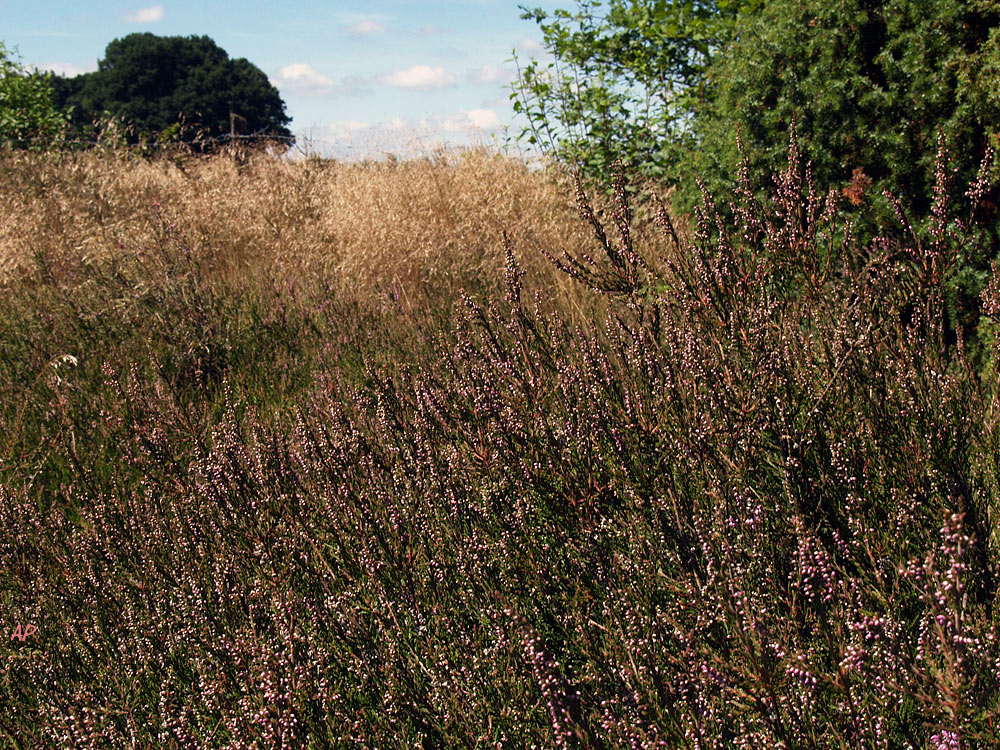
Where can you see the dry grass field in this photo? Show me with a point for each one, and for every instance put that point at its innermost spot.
(437, 221)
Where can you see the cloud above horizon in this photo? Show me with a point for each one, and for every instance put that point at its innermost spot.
(402, 136)
(419, 78)
(305, 80)
(65, 69)
(471, 119)
(491, 74)
(152, 14)
(363, 28)
(530, 46)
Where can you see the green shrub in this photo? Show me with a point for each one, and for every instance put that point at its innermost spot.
(28, 118)
(663, 86)
(874, 91)
(869, 86)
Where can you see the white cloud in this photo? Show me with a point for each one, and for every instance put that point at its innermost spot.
(483, 119)
(344, 130)
(305, 80)
(530, 46)
(430, 30)
(152, 14)
(302, 78)
(353, 139)
(419, 78)
(65, 69)
(501, 102)
(463, 122)
(362, 28)
(491, 74)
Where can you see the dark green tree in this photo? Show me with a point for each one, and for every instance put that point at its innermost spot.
(154, 82)
(869, 84)
(663, 85)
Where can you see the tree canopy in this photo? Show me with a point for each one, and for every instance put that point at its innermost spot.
(870, 85)
(663, 85)
(625, 80)
(154, 82)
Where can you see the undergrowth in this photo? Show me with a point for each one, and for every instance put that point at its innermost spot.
(740, 493)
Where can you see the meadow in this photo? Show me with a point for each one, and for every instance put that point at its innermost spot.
(450, 453)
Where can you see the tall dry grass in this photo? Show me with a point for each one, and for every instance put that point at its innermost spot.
(433, 222)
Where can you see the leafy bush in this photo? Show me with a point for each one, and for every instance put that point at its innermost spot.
(869, 86)
(28, 117)
(625, 80)
(663, 86)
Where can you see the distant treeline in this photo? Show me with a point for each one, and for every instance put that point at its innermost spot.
(161, 88)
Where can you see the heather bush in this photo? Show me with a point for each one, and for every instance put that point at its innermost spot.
(753, 504)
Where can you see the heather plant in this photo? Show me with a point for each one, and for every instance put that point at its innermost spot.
(750, 501)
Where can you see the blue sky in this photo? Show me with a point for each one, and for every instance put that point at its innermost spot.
(354, 81)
